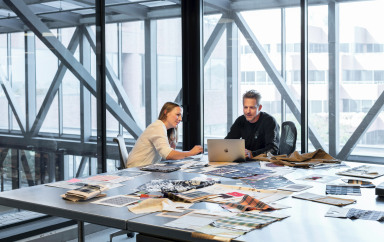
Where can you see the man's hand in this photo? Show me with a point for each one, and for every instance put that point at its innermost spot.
(248, 154)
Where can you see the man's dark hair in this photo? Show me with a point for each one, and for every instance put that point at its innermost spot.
(252, 94)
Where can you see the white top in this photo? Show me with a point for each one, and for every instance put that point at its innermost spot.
(151, 146)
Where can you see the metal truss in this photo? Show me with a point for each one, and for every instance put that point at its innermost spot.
(67, 59)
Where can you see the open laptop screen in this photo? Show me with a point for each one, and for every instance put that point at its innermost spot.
(227, 150)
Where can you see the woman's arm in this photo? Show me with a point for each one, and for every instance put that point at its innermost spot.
(177, 155)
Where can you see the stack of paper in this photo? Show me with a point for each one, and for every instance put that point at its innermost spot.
(84, 193)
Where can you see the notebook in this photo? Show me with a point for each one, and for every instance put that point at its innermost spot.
(227, 150)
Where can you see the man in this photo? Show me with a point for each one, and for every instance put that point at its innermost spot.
(259, 129)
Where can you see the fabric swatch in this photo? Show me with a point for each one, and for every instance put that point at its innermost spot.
(160, 168)
(343, 190)
(271, 182)
(324, 199)
(249, 203)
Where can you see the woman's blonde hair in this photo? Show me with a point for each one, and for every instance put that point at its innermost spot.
(171, 133)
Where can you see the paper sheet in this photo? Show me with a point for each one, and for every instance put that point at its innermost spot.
(191, 221)
(149, 205)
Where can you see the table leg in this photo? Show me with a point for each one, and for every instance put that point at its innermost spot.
(80, 231)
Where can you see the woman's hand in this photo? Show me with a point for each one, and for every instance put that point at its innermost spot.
(176, 155)
(196, 150)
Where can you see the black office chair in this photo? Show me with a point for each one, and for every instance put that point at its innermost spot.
(288, 138)
(122, 151)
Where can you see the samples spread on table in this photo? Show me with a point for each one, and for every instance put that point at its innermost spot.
(241, 208)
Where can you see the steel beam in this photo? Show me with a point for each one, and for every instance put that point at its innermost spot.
(123, 7)
(15, 169)
(333, 73)
(304, 75)
(274, 75)
(12, 23)
(66, 17)
(101, 88)
(214, 38)
(150, 70)
(119, 62)
(85, 95)
(9, 73)
(283, 55)
(223, 6)
(178, 2)
(30, 79)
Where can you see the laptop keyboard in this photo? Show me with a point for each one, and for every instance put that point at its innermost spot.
(9, 219)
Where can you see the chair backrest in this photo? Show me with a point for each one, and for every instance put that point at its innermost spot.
(122, 150)
(288, 138)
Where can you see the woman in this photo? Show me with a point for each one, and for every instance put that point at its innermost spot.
(159, 139)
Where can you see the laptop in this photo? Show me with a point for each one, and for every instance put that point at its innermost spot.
(227, 150)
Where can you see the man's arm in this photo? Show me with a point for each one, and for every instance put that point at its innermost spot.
(272, 138)
(234, 132)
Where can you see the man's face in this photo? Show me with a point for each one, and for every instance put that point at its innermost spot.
(251, 109)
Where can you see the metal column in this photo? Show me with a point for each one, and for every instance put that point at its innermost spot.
(193, 85)
(101, 87)
(304, 75)
(333, 85)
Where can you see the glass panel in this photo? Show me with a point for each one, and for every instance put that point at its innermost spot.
(17, 75)
(71, 104)
(361, 68)
(46, 68)
(293, 64)
(169, 60)
(215, 81)
(71, 90)
(132, 72)
(267, 39)
(318, 66)
(3, 70)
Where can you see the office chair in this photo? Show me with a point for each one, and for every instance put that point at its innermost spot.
(122, 151)
(123, 159)
(288, 138)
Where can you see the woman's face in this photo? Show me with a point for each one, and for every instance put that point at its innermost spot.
(174, 117)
